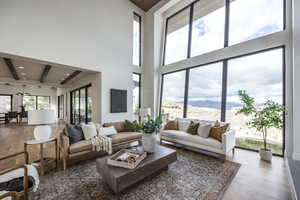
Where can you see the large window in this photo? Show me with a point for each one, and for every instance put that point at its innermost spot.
(208, 25)
(177, 37)
(211, 93)
(254, 18)
(136, 79)
(173, 95)
(136, 39)
(205, 92)
(36, 102)
(81, 105)
(5, 103)
(261, 76)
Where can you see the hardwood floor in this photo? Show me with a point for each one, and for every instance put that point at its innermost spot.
(256, 179)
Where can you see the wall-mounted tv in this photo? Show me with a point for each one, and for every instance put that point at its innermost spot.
(118, 101)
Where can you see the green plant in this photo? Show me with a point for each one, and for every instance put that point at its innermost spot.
(150, 125)
(264, 117)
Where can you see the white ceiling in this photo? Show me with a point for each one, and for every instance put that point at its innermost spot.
(32, 71)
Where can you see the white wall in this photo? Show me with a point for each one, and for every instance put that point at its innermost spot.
(32, 90)
(94, 34)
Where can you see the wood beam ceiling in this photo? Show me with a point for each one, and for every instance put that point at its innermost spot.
(71, 76)
(45, 73)
(11, 68)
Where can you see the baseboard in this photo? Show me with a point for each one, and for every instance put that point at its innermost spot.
(291, 181)
(296, 156)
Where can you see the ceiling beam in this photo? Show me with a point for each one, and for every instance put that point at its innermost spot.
(45, 73)
(70, 77)
(11, 68)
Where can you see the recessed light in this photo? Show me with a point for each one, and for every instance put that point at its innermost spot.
(20, 67)
(67, 74)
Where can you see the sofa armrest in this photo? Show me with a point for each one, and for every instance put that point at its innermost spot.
(64, 144)
(228, 140)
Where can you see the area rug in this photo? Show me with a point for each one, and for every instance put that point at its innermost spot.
(192, 176)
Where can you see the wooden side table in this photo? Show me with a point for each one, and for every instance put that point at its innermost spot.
(42, 162)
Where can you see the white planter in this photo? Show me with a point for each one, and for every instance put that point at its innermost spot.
(265, 155)
(149, 142)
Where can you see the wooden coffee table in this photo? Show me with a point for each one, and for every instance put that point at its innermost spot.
(120, 178)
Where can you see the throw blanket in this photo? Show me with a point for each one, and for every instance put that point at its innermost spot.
(102, 143)
(32, 172)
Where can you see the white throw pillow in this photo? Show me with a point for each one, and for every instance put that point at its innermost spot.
(98, 126)
(107, 131)
(89, 131)
(183, 125)
(204, 129)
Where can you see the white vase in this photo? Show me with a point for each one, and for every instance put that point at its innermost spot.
(149, 142)
(265, 155)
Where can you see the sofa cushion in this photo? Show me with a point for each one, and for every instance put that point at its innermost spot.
(74, 133)
(82, 145)
(218, 130)
(183, 125)
(172, 125)
(125, 136)
(107, 131)
(89, 131)
(185, 137)
(119, 126)
(204, 129)
(130, 126)
(193, 128)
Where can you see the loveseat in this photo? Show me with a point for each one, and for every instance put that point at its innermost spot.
(84, 148)
(209, 144)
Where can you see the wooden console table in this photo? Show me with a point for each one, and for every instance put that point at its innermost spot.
(44, 162)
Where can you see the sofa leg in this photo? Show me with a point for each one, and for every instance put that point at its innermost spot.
(233, 151)
(64, 164)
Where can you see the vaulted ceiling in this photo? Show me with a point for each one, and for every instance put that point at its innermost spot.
(145, 4)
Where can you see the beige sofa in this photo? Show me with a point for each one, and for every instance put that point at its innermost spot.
(205, 143)
(84, 147)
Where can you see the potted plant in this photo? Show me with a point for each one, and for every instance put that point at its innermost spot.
(150, 127)
(263, 117)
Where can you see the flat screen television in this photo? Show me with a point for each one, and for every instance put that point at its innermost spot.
(118, 101)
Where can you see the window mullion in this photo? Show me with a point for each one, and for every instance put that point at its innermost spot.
(224, 90)
(227, 14)
(190, 31)
(186, 92)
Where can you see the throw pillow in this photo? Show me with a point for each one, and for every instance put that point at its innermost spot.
(193, 128)
(172, 125)
(89, 131)
(183, 125)
(108, 131)
(130, 126)
(204, 129)
(216, 132)
(74, 133)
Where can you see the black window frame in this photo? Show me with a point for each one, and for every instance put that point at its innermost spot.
(11, 100)
(140, 37)
(86, 103)
(224, 88)
(59, 103)
(226, 31)
(36, 100)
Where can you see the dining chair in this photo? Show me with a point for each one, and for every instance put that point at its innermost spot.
(13, 115)
(23, 115)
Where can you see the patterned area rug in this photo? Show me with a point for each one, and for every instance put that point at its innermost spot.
(193, 176)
